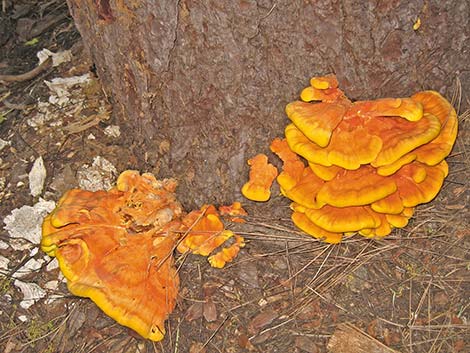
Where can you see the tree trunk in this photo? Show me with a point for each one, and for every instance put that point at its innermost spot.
(200, 86)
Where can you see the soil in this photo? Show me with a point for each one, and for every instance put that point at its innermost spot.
(285, 292)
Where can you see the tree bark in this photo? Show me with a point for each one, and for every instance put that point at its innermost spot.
(201, 86)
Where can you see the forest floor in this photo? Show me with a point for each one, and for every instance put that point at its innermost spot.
(285, 292)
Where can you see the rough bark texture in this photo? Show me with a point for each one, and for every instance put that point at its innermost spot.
(201, 85)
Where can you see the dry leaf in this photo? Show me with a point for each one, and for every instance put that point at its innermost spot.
(349, 339)
(210, 311)
(262, 320)
(194, 312)
(305, 344)
(459, 346)
(372, 328)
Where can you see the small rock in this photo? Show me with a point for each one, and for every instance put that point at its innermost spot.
(37, 177)
(112, 131)
(61, 87)
(11, 346)
(99, 176)
(3, 245)
(19, 244)
(52, 285)
(3, 182)
(31, 293)
(42, 116)
(52, 265)
(262, 302)
(4, 144)
(30, 266)
(25, 222)
(4, 263)
(57, 58)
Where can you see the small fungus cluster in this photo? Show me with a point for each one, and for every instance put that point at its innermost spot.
(116, 247)
(369, 162)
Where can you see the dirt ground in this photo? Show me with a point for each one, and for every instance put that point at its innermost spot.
(285, 292)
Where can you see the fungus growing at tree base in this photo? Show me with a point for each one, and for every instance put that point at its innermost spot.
(116, 247)
(361, 167)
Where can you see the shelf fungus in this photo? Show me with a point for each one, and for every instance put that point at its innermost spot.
(116, 247)
(361, 167)
(205, 232)
(262, 175)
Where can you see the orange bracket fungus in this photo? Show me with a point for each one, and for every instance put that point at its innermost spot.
(262, 175)
(204, 233)
(235, 211)
(369, 162)
(116, 247)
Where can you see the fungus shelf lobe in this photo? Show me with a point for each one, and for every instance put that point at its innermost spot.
(317, 121)
(262, 175)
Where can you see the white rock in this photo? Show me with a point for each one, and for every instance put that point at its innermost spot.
(30, 266)
(41, 117)
(99, 176)
(262, 302)
(4, 144)
(52, 285)
(57, 58)
(60, 86)
(52, 298)
(112, 131)
(37, 177)
(3, 245)
(31, 293)
(19, 244)
(4, 263)
(3, 182)
(25, 222)
(23, 318)
(52, 265)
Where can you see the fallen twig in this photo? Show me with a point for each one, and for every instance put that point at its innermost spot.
(27, 75)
